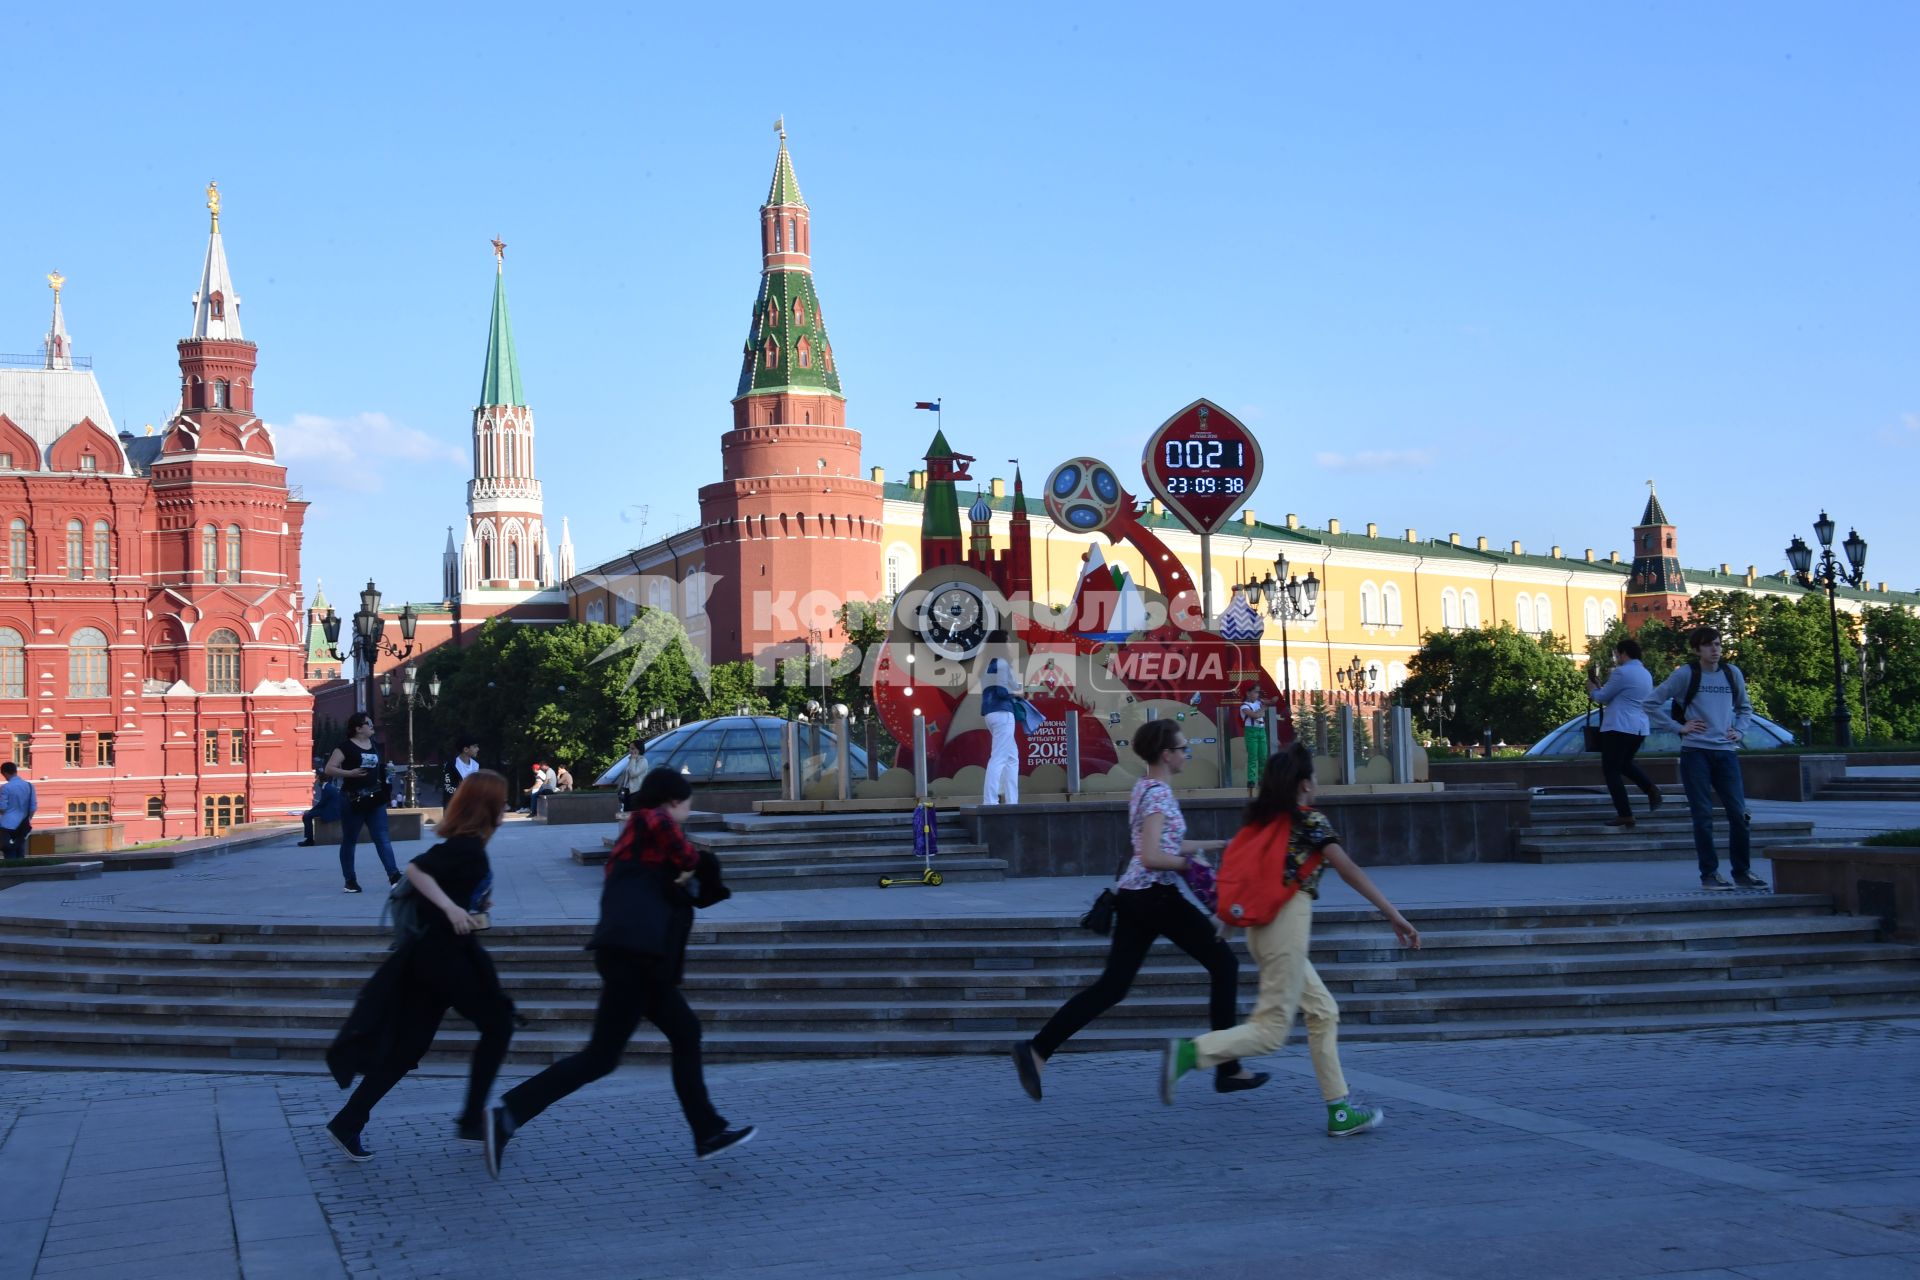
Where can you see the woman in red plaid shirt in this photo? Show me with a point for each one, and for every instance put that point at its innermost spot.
(654, 880)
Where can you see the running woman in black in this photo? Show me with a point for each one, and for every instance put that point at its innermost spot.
(443, 966)
(640, 948)
(1150, 906)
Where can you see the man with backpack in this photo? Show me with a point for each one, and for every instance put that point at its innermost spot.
(1705, 702)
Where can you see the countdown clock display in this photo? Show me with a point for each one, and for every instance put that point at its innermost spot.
(1203, 463)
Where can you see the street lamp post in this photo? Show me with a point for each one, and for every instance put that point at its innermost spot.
(1830, 575)
(366, 644)
(410, 690)
(1439, 706)
(1287, 598)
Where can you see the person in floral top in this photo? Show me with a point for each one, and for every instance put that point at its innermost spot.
(1287, 978)
(1150, 906)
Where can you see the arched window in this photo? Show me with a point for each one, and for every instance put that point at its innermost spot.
(219, 393)
(773, 353)
(1376, 677)
(1450, 609)
(102, 550)
(1396, 674)
(1309, 674)
(17, 550)
(1609, 611)
(1523, 612)
(513, 560)
(826, 356)
(1369, 605)
(1542, 614)
(1590, 614)
(900, 560)
(76, 539)
(233, 553)
(223, 662)
(779, 237)
(210, 552)
(1390, 603)
(486, 559)
(217, 305)
(793, 235)
(799, 313)
(13, 664)
(1470, 607)
(804, 352)
(87, 664)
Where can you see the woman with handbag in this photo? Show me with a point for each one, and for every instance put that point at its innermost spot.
(441, 966)
(1148, 905)
(1623, 728)
(1274, 863)
(640, 949)
(357, 763)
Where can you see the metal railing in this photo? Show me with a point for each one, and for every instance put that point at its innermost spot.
(38, 360)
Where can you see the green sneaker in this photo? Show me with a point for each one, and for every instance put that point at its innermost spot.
(1344, 1119)
(1178, 1058)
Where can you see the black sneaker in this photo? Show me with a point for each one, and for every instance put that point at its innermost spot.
(1748, 881)
(303, 844)
(348, 1140)
(1654, 801)
(1236, 1084)
(1715, 881)
(1029, 1073)
(393, 880)
(469, 1131)
(708, 1148)
(353, 886)
(497, 1127)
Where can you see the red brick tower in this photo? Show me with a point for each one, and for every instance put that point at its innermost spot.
(224, 636)
(1656, 588)
(791, 529)
(506, 543)
(1018, 583)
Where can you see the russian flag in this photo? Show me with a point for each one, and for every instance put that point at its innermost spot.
(927, 404)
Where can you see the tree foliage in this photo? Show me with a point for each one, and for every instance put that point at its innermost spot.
(1518, 685)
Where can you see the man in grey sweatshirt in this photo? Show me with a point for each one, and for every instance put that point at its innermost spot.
(1712, 723)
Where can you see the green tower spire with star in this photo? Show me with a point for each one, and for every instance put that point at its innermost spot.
(787, 348)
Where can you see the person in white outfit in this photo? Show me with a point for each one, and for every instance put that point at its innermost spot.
(998, 688)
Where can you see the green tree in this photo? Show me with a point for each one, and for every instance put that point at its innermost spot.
(1663, 646)
(1893, 660)
(1518, 685)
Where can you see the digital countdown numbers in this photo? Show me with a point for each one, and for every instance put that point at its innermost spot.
(1203, 463)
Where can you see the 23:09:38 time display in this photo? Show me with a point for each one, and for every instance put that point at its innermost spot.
(1206, 484)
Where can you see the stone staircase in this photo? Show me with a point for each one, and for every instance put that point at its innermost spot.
(217, 996)
(1870, 788)
(825, 851)
(1569, 825)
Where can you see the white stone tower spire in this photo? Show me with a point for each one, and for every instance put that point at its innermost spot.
(216, 307)
(566, 551)
(58, 346)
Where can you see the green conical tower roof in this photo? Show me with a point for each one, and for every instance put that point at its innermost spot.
(940, 506)
(1655, 513)
(501, 382)
(786, 188)
(787, 347)
(317, 649)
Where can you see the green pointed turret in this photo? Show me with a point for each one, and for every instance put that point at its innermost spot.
(940, 507)
(501, 382)
(786, 188)
(787, 347)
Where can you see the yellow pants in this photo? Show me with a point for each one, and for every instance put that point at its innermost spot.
(1287, 983)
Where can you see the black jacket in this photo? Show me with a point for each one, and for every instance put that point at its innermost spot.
(643, 911)
(367, 1040)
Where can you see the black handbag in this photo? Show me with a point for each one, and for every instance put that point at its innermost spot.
(1099, 916)
(1590, 732)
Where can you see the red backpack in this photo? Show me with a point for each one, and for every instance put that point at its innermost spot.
(1252, 884)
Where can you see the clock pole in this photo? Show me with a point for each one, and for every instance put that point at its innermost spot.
(1206, 579)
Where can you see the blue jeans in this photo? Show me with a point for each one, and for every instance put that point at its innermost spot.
(1706, 774)
(376, 825)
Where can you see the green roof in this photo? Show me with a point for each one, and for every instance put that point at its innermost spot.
(939, 448)
(801, 354)
(500, 384)
(786, 188)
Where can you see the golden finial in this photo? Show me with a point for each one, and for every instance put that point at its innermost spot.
(1650, 488)
(780, 127)
(55, 279)
(213, 203)
(499, 254)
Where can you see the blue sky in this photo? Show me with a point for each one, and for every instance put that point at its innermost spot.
(1475, 267)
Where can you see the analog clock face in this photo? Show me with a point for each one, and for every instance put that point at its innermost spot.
(955, 620)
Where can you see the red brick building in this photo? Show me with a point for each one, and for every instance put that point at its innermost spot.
(151, 647)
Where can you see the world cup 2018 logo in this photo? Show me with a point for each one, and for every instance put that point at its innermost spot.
(1084, 494)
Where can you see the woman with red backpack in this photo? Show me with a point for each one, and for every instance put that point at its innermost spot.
(1269, 878)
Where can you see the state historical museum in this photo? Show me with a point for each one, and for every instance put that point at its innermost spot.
(151, 656)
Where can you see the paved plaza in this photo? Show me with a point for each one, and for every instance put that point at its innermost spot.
(1779, 1154)
(1775, 1153)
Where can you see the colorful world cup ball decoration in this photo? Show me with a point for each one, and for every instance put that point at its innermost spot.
(1203, 463)
(1083, 494)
